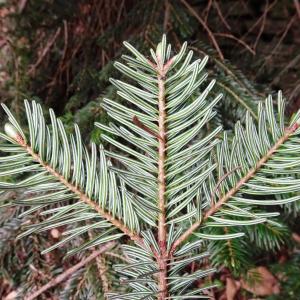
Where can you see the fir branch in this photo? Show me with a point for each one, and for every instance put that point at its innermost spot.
(170, 170)
(82, 196)
(214, 209)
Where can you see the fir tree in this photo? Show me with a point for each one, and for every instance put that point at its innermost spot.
(171, 184)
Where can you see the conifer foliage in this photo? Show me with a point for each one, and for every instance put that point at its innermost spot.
(168, 180)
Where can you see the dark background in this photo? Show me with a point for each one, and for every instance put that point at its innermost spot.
(61, 52)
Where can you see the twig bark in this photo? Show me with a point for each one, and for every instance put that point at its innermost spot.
(118, 256)
(230, 36)
(162, 232)
(60, 278)
(101, 266)
(102, 274)
(45, 51)
(216, 189)
(287, 28)
(260, 18)
(138, 123)
(219, 11)
(207, 10)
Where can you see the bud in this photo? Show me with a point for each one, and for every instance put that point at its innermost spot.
(55, 233)
(11, 131)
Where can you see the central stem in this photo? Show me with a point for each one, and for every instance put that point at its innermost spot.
(162, 232)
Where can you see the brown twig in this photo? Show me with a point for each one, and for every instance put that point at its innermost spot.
(295, 91)
(100, 262)
(232, 74)
(259, 19)
(293, 63)
(48, 46)
(22, 5)
(230, 36)
(102, 274)
(263, 23)
(120, 9)
(66, 39)
(286, 30)
(60, 278)
(202, 22)
(207, 10)
(118, 256)
(219, 11)
(215, 208)
(39, 273)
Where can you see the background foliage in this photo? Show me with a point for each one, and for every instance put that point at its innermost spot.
(60, 53)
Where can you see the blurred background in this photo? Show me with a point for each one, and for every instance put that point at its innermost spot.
(61, 54)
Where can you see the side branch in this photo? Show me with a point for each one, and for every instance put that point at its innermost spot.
(215, 208)
(82, 196)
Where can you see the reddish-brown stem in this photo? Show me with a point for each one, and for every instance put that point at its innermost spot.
(162, 232)
(138, 123)
(216, 189)
(82, 196)
(235, 189)
(100, 260)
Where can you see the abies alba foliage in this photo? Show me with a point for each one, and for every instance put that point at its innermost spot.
(169, 178)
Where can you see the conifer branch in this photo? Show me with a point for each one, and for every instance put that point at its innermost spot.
(236, 188)
(170, 173)
(82, 196)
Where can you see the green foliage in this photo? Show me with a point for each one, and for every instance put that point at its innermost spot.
(163, 171)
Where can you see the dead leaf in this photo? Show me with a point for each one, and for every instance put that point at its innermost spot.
(296, 237)
(232, 287)
(11, 296)
(265, 285)
(22, 5)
